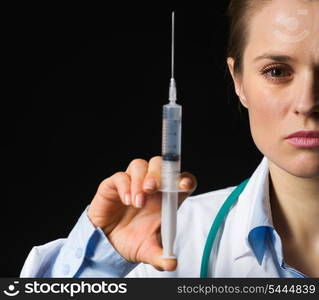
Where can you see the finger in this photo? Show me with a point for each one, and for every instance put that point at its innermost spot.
(116, 187)
(187, 183)
(137, 170)
(152, 180)
(108, 201)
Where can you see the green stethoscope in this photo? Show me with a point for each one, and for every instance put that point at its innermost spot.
(221, 215)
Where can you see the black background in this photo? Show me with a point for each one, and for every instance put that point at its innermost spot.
(82, 97)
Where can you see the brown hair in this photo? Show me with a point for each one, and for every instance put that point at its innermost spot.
(240, 12)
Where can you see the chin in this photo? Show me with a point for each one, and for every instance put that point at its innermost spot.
(305, 165)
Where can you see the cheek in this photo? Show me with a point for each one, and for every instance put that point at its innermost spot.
(266, 111)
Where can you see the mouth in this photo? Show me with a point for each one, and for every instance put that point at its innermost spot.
(304, 139)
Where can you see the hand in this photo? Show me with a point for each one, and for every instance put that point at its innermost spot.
(127, 207)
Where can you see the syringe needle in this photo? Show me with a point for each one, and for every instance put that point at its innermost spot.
(173, 40)
(172, 85)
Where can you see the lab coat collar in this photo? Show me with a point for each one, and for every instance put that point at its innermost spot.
(253, 217)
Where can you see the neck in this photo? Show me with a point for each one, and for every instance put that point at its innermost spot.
(295, 201)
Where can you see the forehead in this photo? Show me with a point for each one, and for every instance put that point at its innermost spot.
(290, 27)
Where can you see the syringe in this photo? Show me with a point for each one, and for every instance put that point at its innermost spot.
(171, 155)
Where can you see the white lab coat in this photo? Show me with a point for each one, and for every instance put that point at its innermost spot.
(234, 257)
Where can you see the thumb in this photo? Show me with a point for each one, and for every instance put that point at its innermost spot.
(163, 264)
(154, 254)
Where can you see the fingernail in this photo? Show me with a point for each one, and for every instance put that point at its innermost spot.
(139, 200)
(150, 184)
(186, 182)
(127, 199)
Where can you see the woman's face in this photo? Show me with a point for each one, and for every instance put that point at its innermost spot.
(279, 84)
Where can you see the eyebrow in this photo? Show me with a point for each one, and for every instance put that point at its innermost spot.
(275, 57)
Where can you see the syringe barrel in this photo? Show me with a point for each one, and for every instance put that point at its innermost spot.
(171, 146)
(171, 165)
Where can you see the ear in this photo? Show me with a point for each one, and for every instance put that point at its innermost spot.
(237, 81)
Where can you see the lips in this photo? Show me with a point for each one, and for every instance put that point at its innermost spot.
(304, 134)
(304, 139)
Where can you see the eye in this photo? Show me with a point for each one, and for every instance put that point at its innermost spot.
(277, 73)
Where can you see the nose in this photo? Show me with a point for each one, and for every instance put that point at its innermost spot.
(308, 94)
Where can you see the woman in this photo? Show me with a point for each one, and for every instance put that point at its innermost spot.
(273, 228)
